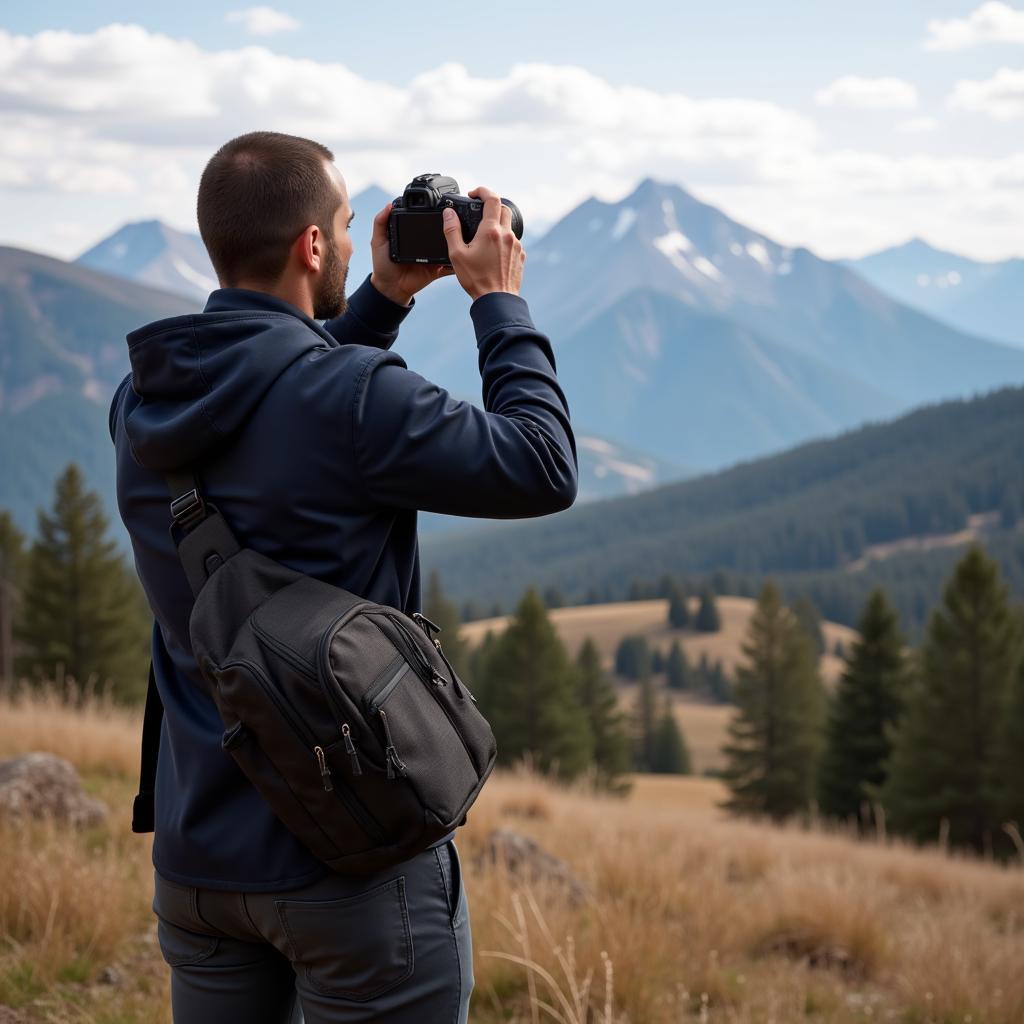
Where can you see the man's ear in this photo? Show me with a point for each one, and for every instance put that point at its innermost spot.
(309, 248)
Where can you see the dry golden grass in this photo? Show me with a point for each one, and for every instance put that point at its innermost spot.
(693, 917)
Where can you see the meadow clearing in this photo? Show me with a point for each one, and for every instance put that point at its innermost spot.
(691, 916)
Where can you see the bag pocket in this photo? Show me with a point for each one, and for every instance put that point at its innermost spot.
(357, 947)
(421, 743)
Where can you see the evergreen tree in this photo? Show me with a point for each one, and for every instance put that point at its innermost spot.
(943, 751)
(633, 657)
(670, 754)
(1009, 755)
(82, 608)
(810, 618)
(657, 660)
(445, 614)
(496, 611)
(608, 725)
(775, 734)
(717, 685)
(553, 597)
(678, 669)
(531, 696)
(867, 703)
(644, 721)
(707, 620)
(12, 571)
(678, 613)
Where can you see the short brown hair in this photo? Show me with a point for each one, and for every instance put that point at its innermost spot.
(257, 193)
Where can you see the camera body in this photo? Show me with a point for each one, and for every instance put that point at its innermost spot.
(415, 226)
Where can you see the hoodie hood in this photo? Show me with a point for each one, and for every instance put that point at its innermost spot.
(196, 378)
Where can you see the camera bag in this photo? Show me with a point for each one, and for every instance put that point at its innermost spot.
(344, 713)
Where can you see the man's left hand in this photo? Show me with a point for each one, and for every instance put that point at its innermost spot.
(398, 281)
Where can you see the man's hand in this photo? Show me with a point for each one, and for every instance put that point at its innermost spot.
(398, 281)
(493, 260)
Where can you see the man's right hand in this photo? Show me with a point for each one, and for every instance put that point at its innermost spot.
(493, 260)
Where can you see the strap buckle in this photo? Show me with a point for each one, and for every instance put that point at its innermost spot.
(188, 509)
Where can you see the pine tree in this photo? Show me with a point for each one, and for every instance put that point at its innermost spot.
(12, 570)
(657, 660)
(678, 613)
(707, 620)
(608, 724)
(941, 768)
(633, 657)
(810, 618)
(1009, 755)
(867, 703)
(644, 721)
(531, 695)
(678, 669)
(775, 734)
(82, 608)
(670, 754)
(445, 614)
(553, 597)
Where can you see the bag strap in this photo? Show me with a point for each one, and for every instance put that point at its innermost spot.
(207, 543)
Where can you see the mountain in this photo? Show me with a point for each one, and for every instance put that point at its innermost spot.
(705, 341)
(702, 388)
(825, 506)
(154, 254)
(62, 354)
(985, 298)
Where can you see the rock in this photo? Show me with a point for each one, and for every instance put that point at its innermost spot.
(40, 785)
(528, 861)
(110, 976)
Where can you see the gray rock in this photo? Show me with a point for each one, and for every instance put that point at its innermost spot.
(40, 785)
(528, 861)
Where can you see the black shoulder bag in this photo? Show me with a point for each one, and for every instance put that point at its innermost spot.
(345, 714)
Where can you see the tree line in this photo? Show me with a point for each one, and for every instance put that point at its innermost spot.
(926, 743)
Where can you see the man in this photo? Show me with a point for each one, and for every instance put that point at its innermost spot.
(318, 444)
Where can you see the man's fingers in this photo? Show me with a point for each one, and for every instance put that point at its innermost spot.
(492, 203)
(506, 216)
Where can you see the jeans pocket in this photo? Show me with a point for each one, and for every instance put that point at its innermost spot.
(357, 947)
(457, 885)
(177, 920)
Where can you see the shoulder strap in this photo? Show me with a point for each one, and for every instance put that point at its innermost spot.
(207, 543)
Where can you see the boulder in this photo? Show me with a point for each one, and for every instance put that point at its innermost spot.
(528, 861)
(41, 785)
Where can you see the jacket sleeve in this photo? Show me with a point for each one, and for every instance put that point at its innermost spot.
(415, 446)
(370, 319)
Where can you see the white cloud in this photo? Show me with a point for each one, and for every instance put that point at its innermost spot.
(992, 22)
(1000, 97)
(130, 116)
(918, 125)
(262, 21)
(868, 93)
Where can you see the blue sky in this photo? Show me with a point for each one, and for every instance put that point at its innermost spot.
(843, 127)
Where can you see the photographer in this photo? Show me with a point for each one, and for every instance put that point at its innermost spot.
(319, 445)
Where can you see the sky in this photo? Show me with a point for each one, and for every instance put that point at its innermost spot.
(843, 127)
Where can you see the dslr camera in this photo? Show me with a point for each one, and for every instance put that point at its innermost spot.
(416, 228)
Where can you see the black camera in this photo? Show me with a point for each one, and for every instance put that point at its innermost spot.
(416, 228)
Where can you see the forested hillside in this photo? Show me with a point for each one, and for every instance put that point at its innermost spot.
(812, 510)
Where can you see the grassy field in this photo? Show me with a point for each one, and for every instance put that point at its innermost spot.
(693, 916)
(703, 724)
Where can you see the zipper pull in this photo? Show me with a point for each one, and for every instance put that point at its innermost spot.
(357, 768)
(325, 772)
(425, 623)
(455, 678)
(390, 753)
(436, 678)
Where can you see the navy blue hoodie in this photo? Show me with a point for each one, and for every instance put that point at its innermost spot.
(318, 444)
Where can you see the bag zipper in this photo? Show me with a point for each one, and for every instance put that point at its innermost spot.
(376, 698)
(298, 727)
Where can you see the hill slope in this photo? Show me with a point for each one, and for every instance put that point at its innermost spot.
(815, 507)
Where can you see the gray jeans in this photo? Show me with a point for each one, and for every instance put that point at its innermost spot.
(393, 947)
